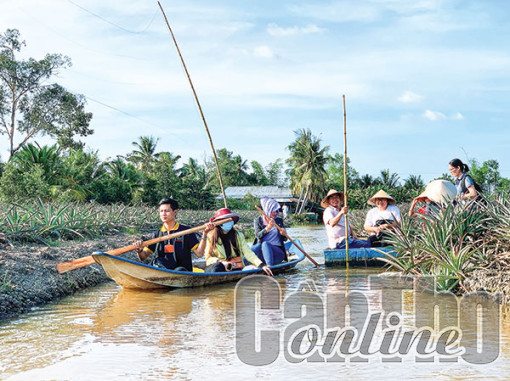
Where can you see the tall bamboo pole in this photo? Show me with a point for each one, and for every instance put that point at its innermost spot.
(345, 187)
(199, 108)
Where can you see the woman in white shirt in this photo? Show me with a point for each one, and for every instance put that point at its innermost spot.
(385, 216)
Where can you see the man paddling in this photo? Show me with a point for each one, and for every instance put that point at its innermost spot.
(175, 253)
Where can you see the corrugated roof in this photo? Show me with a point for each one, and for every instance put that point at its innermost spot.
(260, 191)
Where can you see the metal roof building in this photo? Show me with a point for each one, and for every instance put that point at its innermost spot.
(280, 194)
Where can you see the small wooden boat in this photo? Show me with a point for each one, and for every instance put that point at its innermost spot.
(357, 257)
(131, 274)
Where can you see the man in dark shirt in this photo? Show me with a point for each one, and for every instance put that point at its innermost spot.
(174, 253)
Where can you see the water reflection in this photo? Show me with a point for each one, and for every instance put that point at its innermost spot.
(112, 333)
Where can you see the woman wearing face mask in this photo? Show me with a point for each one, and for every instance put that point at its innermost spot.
(268, 244)
(226, 248)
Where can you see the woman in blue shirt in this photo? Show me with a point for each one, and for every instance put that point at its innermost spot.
(463, 182)
(268, 244)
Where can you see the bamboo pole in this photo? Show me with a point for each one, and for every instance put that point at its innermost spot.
(345, 187)
(199, 107)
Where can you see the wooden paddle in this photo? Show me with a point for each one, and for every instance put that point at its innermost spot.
(284, 233)
(85, 261)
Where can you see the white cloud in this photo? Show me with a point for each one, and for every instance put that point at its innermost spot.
(434, 115)
(458, 116)
(263, 52)
(409, 97)
(278, 31)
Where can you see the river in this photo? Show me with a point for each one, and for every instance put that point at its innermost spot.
(109, 333)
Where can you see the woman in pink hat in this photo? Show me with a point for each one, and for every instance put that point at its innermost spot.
(227, 249)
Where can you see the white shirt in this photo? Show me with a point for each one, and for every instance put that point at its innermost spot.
(335, 233)
(392, 212)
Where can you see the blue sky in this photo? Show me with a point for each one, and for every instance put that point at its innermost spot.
(425, 80)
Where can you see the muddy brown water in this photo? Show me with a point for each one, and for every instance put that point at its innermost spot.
(112, 333)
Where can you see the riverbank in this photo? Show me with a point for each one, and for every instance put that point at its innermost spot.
(29, 277)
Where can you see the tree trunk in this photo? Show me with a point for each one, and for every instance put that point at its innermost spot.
(305, 200)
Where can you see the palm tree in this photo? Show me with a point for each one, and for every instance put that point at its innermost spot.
(414, 182)
(388, 180)
(46, 157)
(145, 153)
(307, 167)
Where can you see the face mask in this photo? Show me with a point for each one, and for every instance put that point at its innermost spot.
(227, 226)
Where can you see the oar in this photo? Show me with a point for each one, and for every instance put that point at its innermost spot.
(282, 232)
(85, 261)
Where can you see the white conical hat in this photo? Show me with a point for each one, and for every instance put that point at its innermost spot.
(440, 191)
(381, 194)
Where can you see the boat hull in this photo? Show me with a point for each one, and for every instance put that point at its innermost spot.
(358, 257)
(136, 275)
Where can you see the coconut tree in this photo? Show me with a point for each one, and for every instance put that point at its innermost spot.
(388, 180)
(144, 155)
(414, 182)
(307, 163)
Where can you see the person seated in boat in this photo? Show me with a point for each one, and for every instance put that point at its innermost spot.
(385, 216)
(334, 220)
(437, 195)
(269, 242)
(175, 253)
(227, 249)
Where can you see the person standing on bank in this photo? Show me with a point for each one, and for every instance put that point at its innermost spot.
(465, 185)
(175, 253)
(334, 220)
(269, 242)
(385, 216)
(227, 248)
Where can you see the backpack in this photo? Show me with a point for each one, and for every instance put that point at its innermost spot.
(478, 188)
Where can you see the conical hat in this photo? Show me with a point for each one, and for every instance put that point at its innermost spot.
(440, 191)
(381, 194)
(325, 201)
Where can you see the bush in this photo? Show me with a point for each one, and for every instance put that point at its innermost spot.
(16, 185)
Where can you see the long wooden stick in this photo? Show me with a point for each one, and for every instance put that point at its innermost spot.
(345, 187)
(88, 260)
(284, 233)
(199, 108)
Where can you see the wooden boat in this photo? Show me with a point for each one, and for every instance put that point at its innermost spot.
(131, 274)
(357, 257)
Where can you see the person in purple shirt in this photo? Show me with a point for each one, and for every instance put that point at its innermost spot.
(269, 243)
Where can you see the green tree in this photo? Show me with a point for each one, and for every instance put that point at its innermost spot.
(29, 106)
(388, 180)
(335, 170)
(80, 171)
(307, 163)
(144, 155)
(414, 182)
(17, 185)
(194, 183)
(48, 158)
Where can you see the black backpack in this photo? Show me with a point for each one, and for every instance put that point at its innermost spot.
(478, 188)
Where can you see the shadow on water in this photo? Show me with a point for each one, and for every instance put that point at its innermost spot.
(113, 333)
